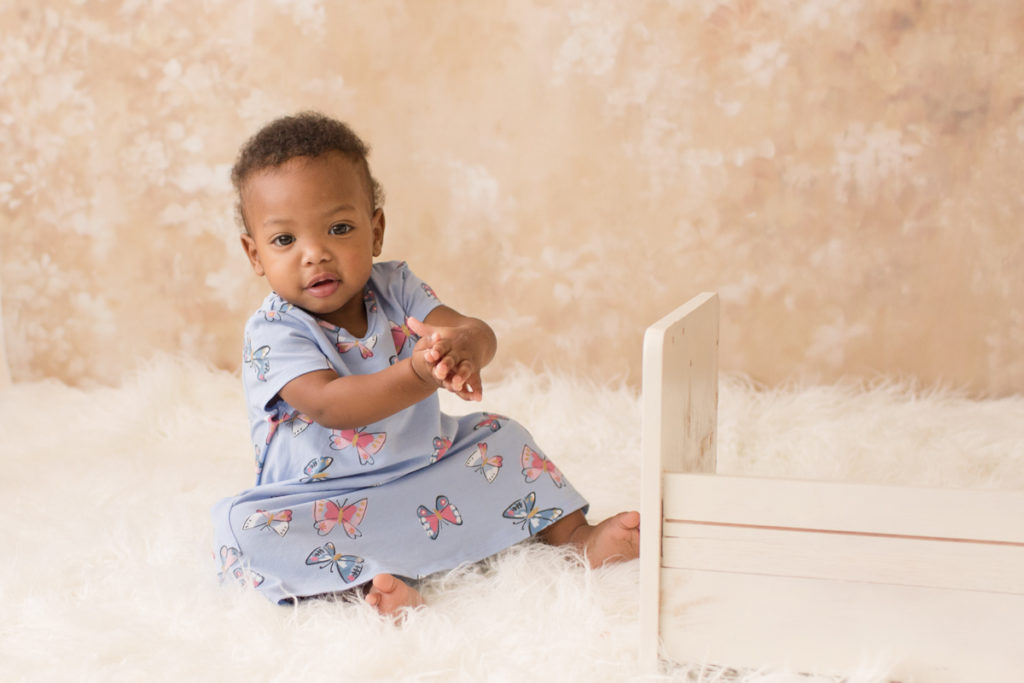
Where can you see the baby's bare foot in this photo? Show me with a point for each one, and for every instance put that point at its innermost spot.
(389, 594)
(616, 539)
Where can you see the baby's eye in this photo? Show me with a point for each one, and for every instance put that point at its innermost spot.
(341, 229)
(282, 240)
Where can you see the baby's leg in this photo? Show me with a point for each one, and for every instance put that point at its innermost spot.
(616, 539)
(390, 594)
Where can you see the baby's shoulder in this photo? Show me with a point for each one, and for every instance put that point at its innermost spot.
(274, 312)
(387, 271)
(389, 279)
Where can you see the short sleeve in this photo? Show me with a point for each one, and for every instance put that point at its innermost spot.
(415, 297)
(279, 348)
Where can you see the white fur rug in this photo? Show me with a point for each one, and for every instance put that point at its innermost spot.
(108, 576)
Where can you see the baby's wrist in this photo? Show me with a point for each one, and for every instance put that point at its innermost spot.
(426, 379)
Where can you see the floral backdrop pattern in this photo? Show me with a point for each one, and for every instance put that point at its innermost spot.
(847, 175)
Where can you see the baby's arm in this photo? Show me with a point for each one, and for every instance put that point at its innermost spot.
(458, 347)
(353, 401)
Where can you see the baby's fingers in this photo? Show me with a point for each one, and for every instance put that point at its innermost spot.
(444, 367)
(470, 393)
(435, 353)
(461, 376)
(472, 389)
(418, 327)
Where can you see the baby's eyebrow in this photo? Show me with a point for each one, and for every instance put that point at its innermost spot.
(339, 209)
(277, 221)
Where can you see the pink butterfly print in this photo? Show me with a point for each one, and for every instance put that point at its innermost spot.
(366, 445)
(441, 446)
(298, 420)
(231, 561)
(349, 566)
(316, 469)
(228, 557)
(428, 290)
(259, 454)
(274, 314)
(365, 348)
(534, 464)
(488, 465)
(490, 421)
(370, 300)
(401, 333)
(327, 514)
(443, 511)
(275, 521)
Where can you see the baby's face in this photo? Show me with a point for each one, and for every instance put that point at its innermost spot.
(313, 234)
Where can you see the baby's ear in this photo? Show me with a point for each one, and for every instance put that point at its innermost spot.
(249, 247)
(378, 231)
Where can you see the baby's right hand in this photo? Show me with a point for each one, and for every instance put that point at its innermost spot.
(425, 356)
(455, 373)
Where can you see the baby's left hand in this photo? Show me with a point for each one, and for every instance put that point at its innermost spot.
(454, 357)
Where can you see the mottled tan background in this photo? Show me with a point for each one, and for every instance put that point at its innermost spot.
(846, 174)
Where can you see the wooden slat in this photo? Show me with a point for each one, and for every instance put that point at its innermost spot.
(846, 557)
(965, 514)
(680, 386)
(835, 627)
(680, 399)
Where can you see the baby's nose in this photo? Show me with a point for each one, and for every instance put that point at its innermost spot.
(315, 252)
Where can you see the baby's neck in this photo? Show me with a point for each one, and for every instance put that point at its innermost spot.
(356, 323)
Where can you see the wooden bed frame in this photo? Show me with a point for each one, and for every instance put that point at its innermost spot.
(812, 576)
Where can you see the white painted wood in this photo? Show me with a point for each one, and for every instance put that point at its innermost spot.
(823, 577)
(680, 386)
(680, 403)
(836, 627)
(979, 514)
(847, 557)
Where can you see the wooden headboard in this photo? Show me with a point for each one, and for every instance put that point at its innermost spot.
(680, 414)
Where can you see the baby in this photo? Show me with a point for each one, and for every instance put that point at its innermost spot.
(361, 479)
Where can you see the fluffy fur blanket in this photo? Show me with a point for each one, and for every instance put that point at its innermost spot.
(108, 573)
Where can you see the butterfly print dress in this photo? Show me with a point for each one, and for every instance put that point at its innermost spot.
(416, 493)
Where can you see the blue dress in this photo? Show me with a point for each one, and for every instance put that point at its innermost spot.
(413, 494)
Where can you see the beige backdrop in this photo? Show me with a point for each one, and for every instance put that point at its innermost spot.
(847, 175)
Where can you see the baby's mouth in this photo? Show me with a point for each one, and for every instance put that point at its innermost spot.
(322, 285)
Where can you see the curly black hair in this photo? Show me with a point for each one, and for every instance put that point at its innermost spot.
(306, 134)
